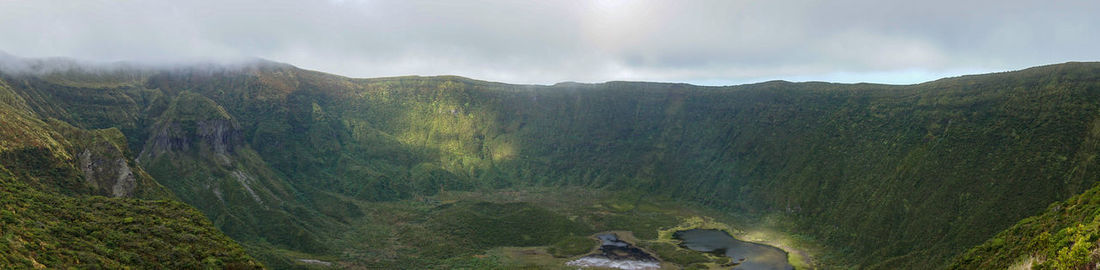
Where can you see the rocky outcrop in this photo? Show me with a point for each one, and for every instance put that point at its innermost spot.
(219, 137)
(194, 133)
(125, 183)
(194, 123)
(247, 181)
(168, 138)
(197, 150)
(105, 163)
(222, 136)
(108, 176)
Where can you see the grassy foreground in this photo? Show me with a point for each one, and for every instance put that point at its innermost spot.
(45, 230)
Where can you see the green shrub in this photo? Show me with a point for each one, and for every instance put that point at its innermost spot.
(572, 246)
(671, 253)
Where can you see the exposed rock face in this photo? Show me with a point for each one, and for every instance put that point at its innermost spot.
(198, 150)
(166, 139)
(125, 183)
(108, 176)
(222, 136)
(316, 262)
(247, 182)
(219, 136)
(86, 166)
(194, 123)
(216, 140)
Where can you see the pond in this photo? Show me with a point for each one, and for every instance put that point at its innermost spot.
(745, 255)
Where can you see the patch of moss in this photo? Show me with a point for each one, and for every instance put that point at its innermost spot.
(572, 246)
(644, 225)
(671, 253)
(488, 224)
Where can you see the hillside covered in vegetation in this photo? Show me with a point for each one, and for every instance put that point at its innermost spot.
(293, 163)
(71, 197)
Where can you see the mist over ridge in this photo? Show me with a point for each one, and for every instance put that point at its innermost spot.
(341, 162)
(502, 134)
(16, 65)
(700, 42)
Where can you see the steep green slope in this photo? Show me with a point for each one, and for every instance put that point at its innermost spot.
(885, 176)
(194, 148)
(1065, 236)
(51, 214)
(43, 230)
(902, 175)
(54, 156)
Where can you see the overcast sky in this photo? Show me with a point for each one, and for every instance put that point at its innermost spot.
(702, 42)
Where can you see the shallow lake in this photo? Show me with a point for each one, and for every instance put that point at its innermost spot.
(747, 255)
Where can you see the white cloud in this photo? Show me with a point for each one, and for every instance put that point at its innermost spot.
(591, 41)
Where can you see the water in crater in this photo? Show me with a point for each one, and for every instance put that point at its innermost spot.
(745, 255)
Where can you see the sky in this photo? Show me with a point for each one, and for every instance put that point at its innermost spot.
(720, 42)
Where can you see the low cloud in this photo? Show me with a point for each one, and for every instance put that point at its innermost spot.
(710, 42)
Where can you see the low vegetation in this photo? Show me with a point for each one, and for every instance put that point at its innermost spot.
(1065, 236)
(56, 231)
(291, 163)
(573, 246)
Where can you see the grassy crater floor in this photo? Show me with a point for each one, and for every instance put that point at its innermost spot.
(535, 227)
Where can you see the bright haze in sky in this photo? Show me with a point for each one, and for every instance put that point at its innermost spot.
(544, 42)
